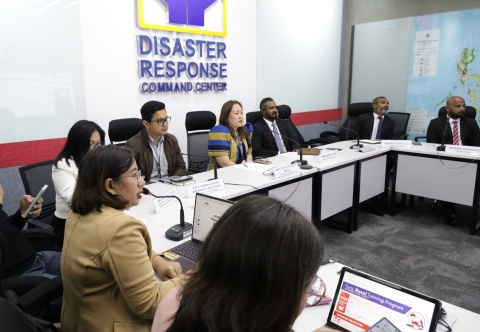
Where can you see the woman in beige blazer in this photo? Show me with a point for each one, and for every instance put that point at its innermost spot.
(107, 259)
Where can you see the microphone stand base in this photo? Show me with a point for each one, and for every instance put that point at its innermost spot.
(356, 146)
(441, 148)
(306, 166)
(179, 232)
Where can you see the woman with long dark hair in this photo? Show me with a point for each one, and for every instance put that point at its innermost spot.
(255, 272)
(83, 136)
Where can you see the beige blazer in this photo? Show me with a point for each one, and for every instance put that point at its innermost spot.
(108, 279)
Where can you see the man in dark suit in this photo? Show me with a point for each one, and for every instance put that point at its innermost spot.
(442, 129)
(453, 128)
(266, 138)
(376, 125)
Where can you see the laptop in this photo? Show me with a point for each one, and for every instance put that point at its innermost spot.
(207, 211)
(361, 301)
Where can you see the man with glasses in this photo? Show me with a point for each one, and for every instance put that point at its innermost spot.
(157, 153)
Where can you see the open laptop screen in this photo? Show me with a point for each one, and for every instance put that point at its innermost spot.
(208, 210)
(361, 300)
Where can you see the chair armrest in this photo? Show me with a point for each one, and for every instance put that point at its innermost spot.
(420, 137)
(325, 134)
(42, 294)
(318, 142)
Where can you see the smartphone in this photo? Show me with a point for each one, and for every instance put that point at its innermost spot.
(416, 143)
(40, 193)
(384, 325)
(262, 161)
(338, 149)
(181, 178)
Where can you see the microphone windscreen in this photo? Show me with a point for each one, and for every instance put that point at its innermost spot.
(145, 191)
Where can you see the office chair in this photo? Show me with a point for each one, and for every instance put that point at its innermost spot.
(198, 125)
(34, 177)
(120, 130)
(254, 117)
(25, 300)
(470, 112)
(354, 110)
(284, 113)
(401, 124)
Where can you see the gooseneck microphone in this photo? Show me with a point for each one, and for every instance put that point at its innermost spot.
(303, 164)
(177, 232)
(215, 174)
(442, 147)
(354, 146)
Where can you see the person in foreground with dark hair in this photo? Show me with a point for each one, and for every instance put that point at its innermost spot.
(82, 137)
(156, 151)
(230, 142)
(255, 272)
(20, 258)
(107, 258)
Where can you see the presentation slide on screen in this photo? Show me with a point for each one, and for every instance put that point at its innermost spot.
(358, 308)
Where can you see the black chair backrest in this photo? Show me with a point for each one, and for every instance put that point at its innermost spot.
(356, 109)
(401, 124)
(470, 111)
(34, 177)
(254, 117)
(198, 125)
(120, 130)
(284, 113)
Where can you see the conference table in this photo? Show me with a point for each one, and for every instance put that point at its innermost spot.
(350, 178)
(451, 177)
(328, 188)
(312, 317)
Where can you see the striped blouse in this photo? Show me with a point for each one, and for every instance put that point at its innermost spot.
(221, 143)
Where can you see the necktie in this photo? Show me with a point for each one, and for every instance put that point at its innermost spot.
(379, 128)
(455, 133)
(278, 140)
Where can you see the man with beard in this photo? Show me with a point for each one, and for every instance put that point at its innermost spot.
(267, 140)
(454, 128)
(376, 125)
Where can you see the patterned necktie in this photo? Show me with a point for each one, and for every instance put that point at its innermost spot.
(278, 140)
(456, 141)
(379, 129)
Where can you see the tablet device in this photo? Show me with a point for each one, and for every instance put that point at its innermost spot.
(362, 300)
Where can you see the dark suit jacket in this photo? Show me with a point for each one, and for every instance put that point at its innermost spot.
(364, 126)
(469, 132)
(263, 142)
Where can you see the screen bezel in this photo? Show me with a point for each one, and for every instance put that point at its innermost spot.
(436, 312)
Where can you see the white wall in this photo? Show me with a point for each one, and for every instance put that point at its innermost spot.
(109, 32)
(298, 52)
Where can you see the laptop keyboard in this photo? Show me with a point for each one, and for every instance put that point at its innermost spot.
(187, 249)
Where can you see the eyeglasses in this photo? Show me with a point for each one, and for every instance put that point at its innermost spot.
(161, 122)
(316, 292)
(138, 175)
(94, 144)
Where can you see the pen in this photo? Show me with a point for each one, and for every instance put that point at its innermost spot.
(244, 164)
(165, 181)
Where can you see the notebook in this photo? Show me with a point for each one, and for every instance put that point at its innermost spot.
(207, 211)
(361, 300)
